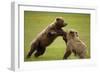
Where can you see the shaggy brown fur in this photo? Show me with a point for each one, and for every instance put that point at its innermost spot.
(74, 44)
(46, 37)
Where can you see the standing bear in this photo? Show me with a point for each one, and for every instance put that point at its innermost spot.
(46, 37)
(74, 45)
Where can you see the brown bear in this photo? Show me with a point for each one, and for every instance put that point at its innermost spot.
(46, 37)
(74, 44)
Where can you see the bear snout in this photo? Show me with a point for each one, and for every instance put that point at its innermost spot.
(65, 24)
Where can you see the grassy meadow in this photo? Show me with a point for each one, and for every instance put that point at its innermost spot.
(35, 22)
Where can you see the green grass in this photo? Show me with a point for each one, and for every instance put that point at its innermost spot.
(35, 22)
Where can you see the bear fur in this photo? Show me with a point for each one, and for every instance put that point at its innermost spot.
(46, 37)
(75, 45)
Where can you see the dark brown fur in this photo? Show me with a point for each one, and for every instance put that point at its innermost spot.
(46, 37)
(75, 45)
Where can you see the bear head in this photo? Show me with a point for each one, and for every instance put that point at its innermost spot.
(60, 22)
(73, 33)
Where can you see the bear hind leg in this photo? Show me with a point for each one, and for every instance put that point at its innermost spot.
(82, 55)
(67, 54)
(33, 48)
(40, 51)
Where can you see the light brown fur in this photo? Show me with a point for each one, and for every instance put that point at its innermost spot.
(75, 45)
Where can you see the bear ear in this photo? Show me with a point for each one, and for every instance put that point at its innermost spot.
(58, 18)
(71, 33)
